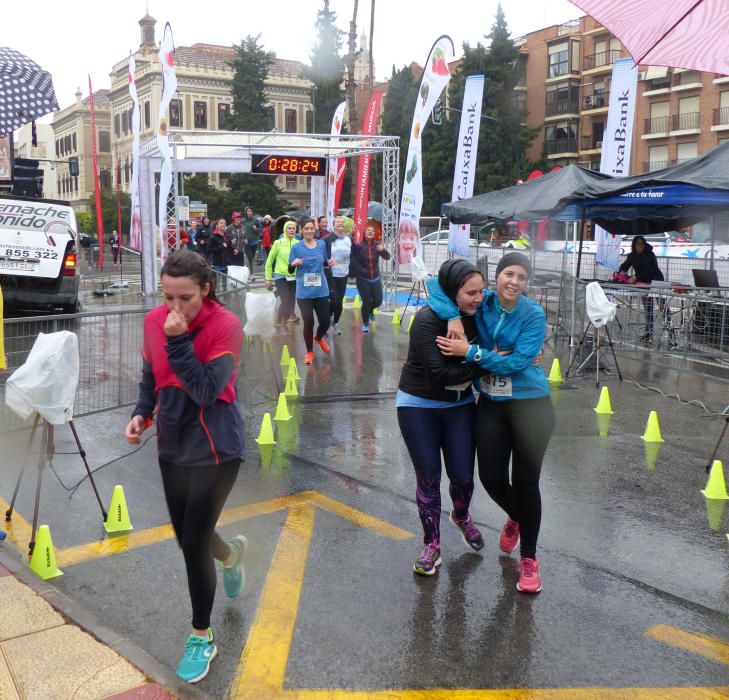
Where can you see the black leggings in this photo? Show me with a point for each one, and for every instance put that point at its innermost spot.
(195, 498)
(336, 296)
(428, 432)
(287, 294)
(307, 308)
(520, 430)
(371, 295)
(250, 255)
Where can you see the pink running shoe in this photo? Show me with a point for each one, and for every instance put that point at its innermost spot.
(529, 581)
(509, 537)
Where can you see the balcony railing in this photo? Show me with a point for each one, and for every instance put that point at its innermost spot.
(557, 107)
(721, 116)
(600, 60)
(590, 143)
(657, 125)
(568, 145)
(653, 165)
(688, 120)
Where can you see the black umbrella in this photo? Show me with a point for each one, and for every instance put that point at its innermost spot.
(26, 91)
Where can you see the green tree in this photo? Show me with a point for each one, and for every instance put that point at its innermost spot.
(83, 221)
(251, 111)
(327, 69)
(109, 213)
(221, 203)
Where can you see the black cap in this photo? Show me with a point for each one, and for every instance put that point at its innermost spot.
(514, 259)
(452, 275)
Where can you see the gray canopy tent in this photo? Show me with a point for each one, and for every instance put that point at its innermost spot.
(233, 151)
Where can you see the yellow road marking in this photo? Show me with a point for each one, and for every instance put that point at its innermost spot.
(262, 668)
(18, 528)
(709, 647)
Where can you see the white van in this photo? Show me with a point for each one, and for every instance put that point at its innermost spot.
(38, 265)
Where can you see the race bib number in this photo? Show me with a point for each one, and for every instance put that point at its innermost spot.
(493, 385)
(312, 279)
(341, 262)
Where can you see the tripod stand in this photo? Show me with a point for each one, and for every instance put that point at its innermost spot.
(45, 455)
(417, 289)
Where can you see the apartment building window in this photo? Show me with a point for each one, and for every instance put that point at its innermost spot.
(201, 115)
(687, 151)
(117, 125)
(75, 183)
(58, 149)
(290, 121)
(562, 98)
(688, 114)
(558, 60)
(658, 121)
(291, 182)
(67, 143)
(73, 142)
(223, 114)
(104, 142)
(561, 137)
(657, 158)
(147, 114)
(176, 113)
(125, 121)
(223, 179)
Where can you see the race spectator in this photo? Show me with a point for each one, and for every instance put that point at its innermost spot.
(252, 237)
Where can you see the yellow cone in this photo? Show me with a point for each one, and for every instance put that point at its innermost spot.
(293, 369)
(43, 560)
(282, 409)
(652, 429)
(652, 450)
(265, 436)
(396, 318)
(555, 374)
(118, 518)
(603, 405)
(375, 312)
(716, 486)
(715, 511)
(285, 357)
(291, 390)
(410, 322)
(603, 423)
(357, 302)
(266, 455)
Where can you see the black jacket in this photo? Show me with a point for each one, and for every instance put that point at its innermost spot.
(645, 264)
(365, 260)
(426, 372)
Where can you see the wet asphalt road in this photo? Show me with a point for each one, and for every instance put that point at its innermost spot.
(631, 556)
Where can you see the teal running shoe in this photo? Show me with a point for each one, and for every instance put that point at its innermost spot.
(198, 654)
(234, 576)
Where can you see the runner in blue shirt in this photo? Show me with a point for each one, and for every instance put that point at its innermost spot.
(308, 258)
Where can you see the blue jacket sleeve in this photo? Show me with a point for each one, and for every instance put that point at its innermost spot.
(528, 346)
(203, 383)
(443, 306)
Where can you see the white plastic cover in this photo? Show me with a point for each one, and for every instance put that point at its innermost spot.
(46, 383)
(260, 312)
(418, 270)
(599, 309)
(239, 273)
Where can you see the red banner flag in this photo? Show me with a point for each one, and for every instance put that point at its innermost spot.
(97, 187)
(369, 127)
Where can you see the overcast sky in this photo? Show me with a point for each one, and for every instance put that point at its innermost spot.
(80, 37)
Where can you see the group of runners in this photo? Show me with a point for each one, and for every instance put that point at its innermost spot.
(192, 347)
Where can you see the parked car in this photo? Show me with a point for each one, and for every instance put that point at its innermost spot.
(38, 264)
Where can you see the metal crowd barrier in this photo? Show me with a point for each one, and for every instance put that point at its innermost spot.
(110, 345)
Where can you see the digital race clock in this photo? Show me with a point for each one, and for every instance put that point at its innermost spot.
(288, 165)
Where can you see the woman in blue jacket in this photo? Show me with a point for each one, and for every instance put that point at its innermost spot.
(514, 416)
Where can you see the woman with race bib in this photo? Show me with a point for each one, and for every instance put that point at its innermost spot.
(308, 259)
(514, 415)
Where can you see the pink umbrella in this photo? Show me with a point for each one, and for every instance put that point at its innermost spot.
(691, 34)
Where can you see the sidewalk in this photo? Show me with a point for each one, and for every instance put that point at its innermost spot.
(45, 654)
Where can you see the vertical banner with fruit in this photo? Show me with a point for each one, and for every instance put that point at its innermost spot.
(465, 171)
(334, 182)
(436, 75)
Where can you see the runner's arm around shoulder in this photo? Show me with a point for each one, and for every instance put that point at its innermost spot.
(444, 371)
(443, 306)
(204, 381)
(526, 348)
